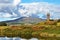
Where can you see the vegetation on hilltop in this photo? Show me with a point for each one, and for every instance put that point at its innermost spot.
(40, 30)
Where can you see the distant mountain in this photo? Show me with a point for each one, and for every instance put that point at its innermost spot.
(25, 20)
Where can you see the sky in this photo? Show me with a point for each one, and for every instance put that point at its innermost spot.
(41, 8)
(28, 8)
(49, 1)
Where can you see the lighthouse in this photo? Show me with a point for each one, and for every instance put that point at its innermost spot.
(48, 17)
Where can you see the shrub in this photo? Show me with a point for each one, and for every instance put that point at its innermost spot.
(58, 24)
(3, 24)
(26, 33)
(8, 32)
(11, 33)
(35, 34)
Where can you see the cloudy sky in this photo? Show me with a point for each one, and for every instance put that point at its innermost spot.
(31, 8)
(40, 8)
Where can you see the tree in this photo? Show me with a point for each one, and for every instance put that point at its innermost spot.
(3, 24)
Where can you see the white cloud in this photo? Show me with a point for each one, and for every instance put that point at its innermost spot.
(16, 2)
(6, 15)
(4, 3)
(35, 8)
(14, 14)
(12, 4)
(42, 7)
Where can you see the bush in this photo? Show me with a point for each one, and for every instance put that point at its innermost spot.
(35, 34)
(58, 24)
(11, 33)
(8, 32)
(3, 24)
(26, 33)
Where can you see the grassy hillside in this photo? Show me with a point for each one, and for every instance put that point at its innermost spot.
(40, 30)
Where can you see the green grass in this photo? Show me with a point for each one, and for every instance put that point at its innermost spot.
(27, 30)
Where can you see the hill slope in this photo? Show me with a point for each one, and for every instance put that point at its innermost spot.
(25, 20)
